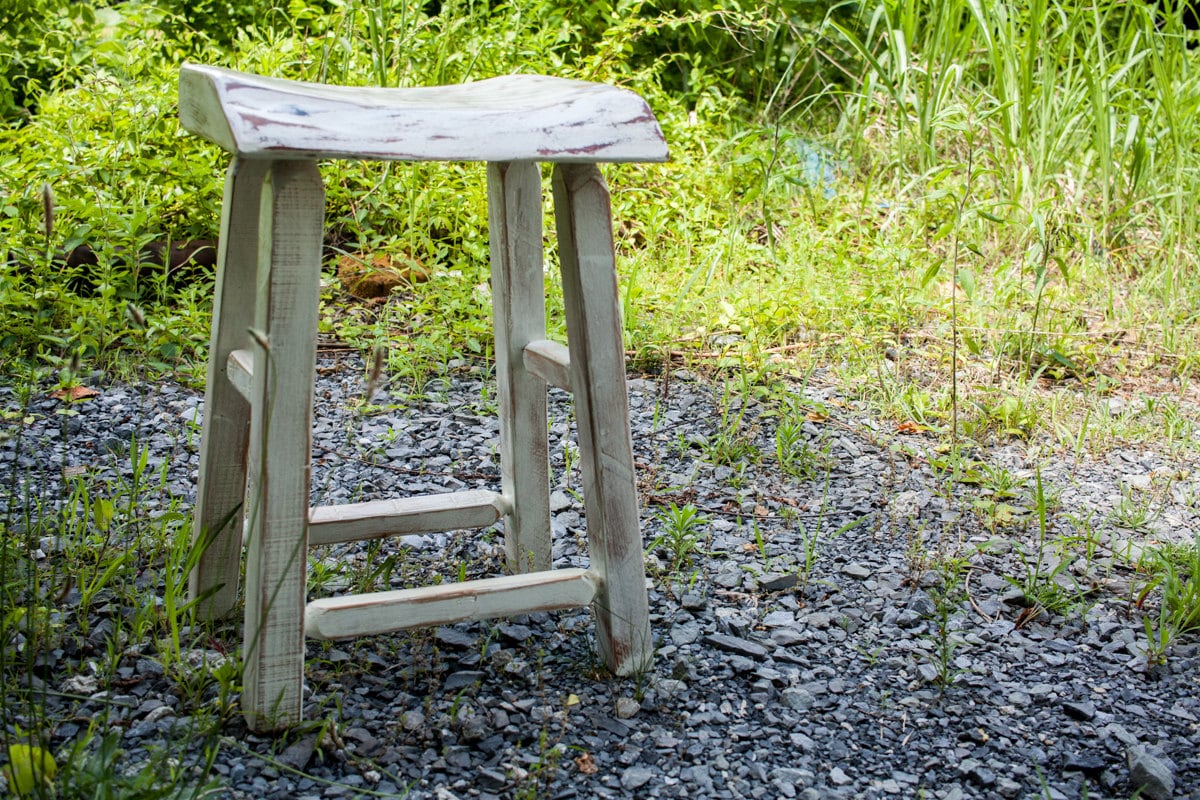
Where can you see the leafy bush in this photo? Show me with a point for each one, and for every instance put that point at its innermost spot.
(39, 41)
(110, 151)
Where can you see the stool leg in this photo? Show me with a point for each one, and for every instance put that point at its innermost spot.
(519, 306)
(583, 218)
(278, 463)
(217, 517)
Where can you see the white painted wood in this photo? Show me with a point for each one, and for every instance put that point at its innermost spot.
(217, 518)
(259, 397)
(510, 118)
(583, 219)
(550, 361)
(239, 370)
(278, 462)
(386, 612)
(519, 310)
(376, 519)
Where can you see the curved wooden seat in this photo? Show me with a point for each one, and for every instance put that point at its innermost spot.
(511, 118)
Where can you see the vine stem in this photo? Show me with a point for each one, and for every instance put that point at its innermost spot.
(962, 207)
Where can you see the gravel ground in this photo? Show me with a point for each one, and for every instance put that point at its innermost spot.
(846, 630)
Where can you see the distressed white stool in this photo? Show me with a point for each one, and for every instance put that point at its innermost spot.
(255, 442)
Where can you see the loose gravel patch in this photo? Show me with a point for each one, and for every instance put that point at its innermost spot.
(856, 624)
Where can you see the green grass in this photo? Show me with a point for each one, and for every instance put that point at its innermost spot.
(974, 218)
(73, 573)
(732, 256)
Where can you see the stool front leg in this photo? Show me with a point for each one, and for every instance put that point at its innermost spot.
(217, 518)
(584, 221)
(279, 460)
(519, 308)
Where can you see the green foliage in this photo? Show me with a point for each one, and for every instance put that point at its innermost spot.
(1069, 118)
(1039, 583)
(1174, 570)
(763, 54)
(109, 152)
(116, 547)
(807, 218)
(682, 530)
(944, 640)
(39, 43)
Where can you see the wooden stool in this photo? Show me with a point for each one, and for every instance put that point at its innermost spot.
(255, 445)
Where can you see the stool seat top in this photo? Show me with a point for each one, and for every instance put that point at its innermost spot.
(510, 118)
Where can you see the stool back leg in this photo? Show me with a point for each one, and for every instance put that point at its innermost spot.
(280, 450)
(217, 517)
(519, 307)
(583, 218)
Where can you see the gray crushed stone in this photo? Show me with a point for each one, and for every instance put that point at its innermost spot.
(807, 646)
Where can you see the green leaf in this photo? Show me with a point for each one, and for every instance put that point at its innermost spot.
(30, 771)
(966, 281)
(931, 273)
(103, 511)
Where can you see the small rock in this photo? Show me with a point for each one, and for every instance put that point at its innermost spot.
(452, 637)
(1084, 712)
(929, 673)
(922, 605)
(626, 708)
(1118, 732)
(1138, 482)
(785, 637)
(685, 633)
(517, 633)
(159, 713)
(298, 754)
(856, 570)
(462, 679)
(81, 684)
(635, 777)
(797, 698)
(778, 582)
(1087, 763)
(779, 619)
(983, 776)
(741, 663)
(559, 500)
(1148, 775)
(365, 739)
(1007, 787)
(839, 778)
(736, 644)
(819, 619)
(473, 727)
(792, 775)
(492, 779)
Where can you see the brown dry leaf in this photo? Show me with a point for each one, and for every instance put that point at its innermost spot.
(1027, 615)
(761, 511)
(816, 416)
(586, 764)
(375, 276)
(74, 393)
(910, 427)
